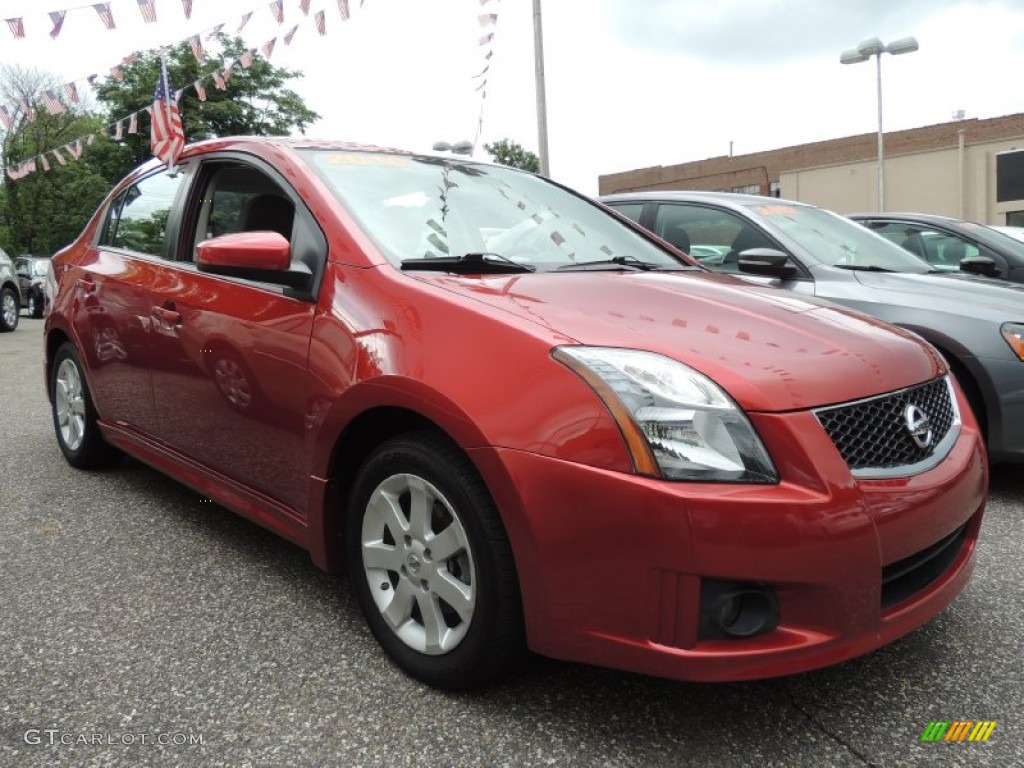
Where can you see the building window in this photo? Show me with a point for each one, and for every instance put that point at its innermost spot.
(749, 189)
(775, 189)
(1015, 218)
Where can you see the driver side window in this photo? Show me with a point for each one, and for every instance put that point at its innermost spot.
(241, 199)
(713, 237)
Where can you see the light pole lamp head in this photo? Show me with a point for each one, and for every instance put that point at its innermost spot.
(852, 56)
(870, 47)
(903, 45)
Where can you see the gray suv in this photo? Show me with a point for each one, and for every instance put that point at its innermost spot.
(975, 322)
(10, 294)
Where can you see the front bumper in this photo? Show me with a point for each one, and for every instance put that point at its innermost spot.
(611, 565)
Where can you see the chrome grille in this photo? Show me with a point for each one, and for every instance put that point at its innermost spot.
(874, 433)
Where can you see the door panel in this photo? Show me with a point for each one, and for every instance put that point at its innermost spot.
(229, 377)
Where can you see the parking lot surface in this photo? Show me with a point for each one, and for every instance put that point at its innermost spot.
(138, 619)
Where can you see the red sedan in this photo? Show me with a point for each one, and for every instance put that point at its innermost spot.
(519, 421)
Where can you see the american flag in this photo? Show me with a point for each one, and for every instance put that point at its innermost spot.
(148, 8)
(131, 58)
(74, 148)
(117, 73)
(92, 79)
(17, 27)
(304, 5)
(243, 22)
(487, 18)
(321, 24)
(200, 89)
(197, 47)
(219, 81)
(51, 102)
(59, 156)
(57, 17)
(247, 58)
(168, 137)
(229, 70)
(215, 31)
(291, 33)
(133, 122)
(486, 38)
(119, 130)
(105, 14)
(27, 110)
(6, 119)
(71, 91)
(187, 6)
(343, 9)
(268, 48)
(277, 9)
(46, 165)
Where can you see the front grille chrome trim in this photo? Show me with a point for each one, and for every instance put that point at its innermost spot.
(939, 452)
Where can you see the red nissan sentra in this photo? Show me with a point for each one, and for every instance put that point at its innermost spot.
(516, 419)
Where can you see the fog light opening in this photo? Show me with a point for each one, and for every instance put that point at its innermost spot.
(745, 612)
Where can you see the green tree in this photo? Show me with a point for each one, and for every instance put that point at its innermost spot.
(508, 152)
(43, 211)
(255, 102)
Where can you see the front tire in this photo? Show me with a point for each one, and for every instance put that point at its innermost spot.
(74, 415)
(9, 309)
(431, 566)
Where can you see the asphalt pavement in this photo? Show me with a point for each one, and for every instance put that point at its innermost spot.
(137, 619)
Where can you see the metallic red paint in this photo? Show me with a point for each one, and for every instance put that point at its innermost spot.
(609, 562)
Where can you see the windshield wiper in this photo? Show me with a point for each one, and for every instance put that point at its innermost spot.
(864, 268)
(616, 262)
(468, 264)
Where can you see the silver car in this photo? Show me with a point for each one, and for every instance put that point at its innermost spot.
(975, 322)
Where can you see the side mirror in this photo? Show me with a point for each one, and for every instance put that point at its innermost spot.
(264, 256)
(766, 261)
(979, 265)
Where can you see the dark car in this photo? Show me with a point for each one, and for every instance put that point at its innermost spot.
(951, 244)
(518, 421)
(32, 272)
(976, 323)
(10, 294)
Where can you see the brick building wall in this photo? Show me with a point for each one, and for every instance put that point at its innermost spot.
(763, 168)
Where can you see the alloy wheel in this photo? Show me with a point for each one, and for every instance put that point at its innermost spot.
(69, 402)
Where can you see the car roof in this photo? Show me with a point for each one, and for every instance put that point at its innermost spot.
(735, 199)
(934, 218)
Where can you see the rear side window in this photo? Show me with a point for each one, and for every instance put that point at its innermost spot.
(137, 220)
(629, 210)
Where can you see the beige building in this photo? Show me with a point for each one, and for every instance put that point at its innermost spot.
(969, 169)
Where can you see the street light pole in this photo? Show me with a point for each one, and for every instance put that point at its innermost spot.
(542, 110)
(864, 51)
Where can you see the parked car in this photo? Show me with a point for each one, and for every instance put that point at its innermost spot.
(951, 244)
(520, 421)
(10, 294)
(976, 323)
(31, 272)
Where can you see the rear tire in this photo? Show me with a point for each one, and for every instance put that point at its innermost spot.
(35, 305)
(74, 415)
(431, 566)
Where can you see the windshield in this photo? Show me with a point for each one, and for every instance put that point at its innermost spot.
(837, 241)
(417, 207)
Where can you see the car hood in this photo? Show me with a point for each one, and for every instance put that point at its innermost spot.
(955, 292)
(771, 350)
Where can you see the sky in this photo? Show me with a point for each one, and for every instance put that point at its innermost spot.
(629, 83)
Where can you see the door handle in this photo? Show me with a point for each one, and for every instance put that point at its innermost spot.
(168, 318)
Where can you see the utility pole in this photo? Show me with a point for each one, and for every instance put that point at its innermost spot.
(542, 110)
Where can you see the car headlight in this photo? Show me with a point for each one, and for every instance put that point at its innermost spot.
(677, 423)
(1014, 335)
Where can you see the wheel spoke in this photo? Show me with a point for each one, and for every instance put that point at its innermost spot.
(420, 500)
(447, 544)
(386, 512)
(377, 554)
(434, 627)
(458, 595)
(399, 610)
